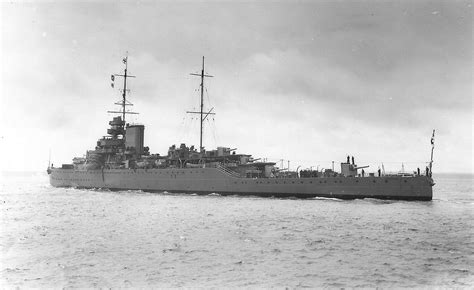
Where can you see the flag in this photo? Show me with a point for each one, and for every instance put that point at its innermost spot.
(112, 77)
(124, 60)
(112, 84)
(432, 138)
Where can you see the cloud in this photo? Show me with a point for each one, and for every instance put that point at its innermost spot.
(329, 75)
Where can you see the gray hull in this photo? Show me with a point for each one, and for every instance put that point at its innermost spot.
(213, 180)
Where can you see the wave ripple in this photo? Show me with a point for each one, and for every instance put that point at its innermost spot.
(54, 237)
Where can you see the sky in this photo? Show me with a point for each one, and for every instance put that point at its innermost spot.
(306, 81)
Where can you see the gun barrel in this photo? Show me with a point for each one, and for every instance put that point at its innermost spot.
(360, 167)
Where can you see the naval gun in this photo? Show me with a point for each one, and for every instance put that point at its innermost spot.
(349, 170)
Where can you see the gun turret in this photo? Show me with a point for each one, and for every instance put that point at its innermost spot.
(350, 169)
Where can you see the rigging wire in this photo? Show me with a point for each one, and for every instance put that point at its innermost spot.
(208, 99)
(212, 124)
(214, 132)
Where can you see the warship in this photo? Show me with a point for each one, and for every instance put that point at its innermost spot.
(120, 161)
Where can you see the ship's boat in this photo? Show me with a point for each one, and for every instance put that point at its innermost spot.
(120, 161)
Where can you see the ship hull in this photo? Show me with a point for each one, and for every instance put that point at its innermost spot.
(213, 180)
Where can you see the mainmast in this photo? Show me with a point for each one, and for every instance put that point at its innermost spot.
(124, 101)
(202, 114)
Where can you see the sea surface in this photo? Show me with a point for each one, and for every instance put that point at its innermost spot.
(57, 237)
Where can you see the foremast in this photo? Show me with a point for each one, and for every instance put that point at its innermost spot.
(119, 146)
(123, 103)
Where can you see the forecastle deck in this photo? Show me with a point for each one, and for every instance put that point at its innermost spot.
(215, 180)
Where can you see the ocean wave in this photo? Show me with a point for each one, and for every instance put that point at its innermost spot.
(94, 238)
(327, 198)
